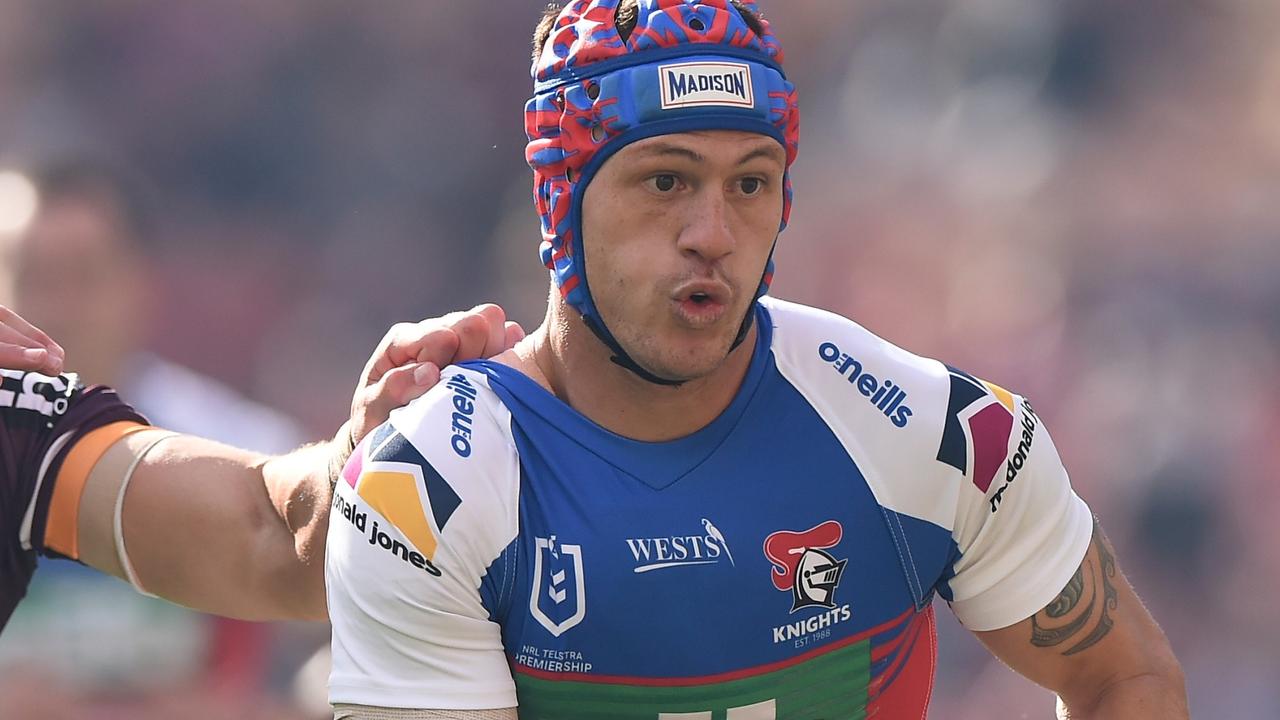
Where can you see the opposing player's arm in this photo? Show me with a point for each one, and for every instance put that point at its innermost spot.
(1097, 646)
(240, 534)
(200, 526)
(222, 529)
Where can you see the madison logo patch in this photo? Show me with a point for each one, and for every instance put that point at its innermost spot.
(695, 84)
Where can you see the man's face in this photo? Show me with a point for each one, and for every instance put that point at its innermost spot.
(676, 232)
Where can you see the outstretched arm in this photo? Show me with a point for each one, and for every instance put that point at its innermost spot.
(225, 530)
(1097, 647)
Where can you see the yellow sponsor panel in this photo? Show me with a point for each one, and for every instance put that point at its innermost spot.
(394, 495)
(1004, 396)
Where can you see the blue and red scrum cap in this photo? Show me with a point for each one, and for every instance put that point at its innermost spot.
(688, 65)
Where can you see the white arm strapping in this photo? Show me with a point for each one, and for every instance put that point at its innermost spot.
(117, 521)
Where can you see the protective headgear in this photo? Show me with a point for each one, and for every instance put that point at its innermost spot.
(688, 65)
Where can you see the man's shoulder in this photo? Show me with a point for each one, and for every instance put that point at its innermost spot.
(453, 412)
(440, 477)
(817, 348)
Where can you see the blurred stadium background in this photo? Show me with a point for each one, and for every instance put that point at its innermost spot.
(1079, 199)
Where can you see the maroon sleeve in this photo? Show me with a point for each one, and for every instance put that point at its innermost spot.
(41, 418)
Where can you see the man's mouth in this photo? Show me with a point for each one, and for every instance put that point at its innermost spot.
(702, 303)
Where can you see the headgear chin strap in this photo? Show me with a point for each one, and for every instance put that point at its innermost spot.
(688, 65)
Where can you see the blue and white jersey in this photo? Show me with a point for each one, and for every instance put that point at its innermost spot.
(490, 546)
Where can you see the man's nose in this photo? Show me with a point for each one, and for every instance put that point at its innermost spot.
(706, 230)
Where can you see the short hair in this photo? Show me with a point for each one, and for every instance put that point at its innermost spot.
(627, 14)
(116, 188)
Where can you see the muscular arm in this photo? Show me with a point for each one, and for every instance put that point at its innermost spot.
(1097, 647)
(203, 526)
(206, 525)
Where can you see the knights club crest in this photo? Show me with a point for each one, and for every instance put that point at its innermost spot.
(803, 565)
(558, 600)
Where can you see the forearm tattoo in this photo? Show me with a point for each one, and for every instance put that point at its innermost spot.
(1080, 612)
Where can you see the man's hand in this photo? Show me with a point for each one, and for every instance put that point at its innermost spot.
(408, 360)
(24, 346)
(405, 365)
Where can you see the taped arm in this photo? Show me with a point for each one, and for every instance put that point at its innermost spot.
(209, 526)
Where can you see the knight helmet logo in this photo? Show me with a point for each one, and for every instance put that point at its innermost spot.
(803, 565)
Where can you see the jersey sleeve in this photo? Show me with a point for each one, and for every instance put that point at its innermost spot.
(41, 419)
(418, 556)
(1021, 532)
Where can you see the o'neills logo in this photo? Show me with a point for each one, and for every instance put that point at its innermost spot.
(693, 84)
(464, 406)
(887, 396)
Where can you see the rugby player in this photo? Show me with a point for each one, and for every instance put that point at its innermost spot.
(680, 497)
(219, 529)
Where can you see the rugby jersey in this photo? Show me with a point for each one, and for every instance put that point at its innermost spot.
(42, 417)
(490, 546)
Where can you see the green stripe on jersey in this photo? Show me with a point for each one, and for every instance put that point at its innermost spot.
(831, 686)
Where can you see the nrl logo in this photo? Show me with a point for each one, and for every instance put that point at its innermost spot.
(803, 566)
(558, 600)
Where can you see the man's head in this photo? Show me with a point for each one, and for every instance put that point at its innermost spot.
(80, 265)
(677, 230)
(700, 80)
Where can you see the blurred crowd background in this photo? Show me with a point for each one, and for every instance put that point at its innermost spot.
(1078, 199)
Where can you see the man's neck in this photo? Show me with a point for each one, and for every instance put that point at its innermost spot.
(574, 365)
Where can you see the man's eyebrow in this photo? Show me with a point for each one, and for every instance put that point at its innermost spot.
(769, 151)
(660, 149)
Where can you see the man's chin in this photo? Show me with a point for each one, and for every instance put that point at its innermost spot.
(685, 364)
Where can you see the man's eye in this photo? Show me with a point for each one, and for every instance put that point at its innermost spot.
(663, 183)
(750, 185)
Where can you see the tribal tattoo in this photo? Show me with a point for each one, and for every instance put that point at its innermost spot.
(1078, 613)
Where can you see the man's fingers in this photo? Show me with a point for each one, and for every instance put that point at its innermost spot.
(22, 357)
(495, 341)
(514, 334)
(405, 343)
(396, 388)
(472, 329)
(480, 332)
(437, 346)
(402, 385)
(17, 323)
